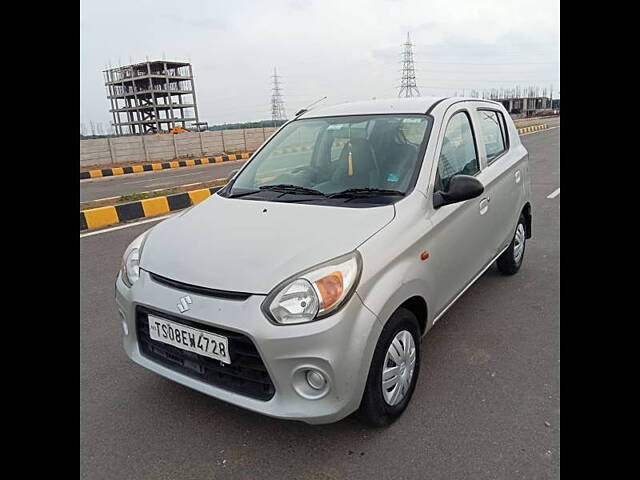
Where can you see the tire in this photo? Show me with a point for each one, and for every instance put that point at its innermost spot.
(375, 410)
(511, 259)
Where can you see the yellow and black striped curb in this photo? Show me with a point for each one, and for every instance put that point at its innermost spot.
(149, 207)
(108, 172)
(532, 128)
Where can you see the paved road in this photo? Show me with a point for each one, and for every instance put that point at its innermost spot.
(490, 379)
(97, 188)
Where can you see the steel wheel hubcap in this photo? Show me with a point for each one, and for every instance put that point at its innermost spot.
(399, 365)
(518, 245)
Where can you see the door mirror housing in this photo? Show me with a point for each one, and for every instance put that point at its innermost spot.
(461, 187)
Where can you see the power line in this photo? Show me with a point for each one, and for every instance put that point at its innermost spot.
(488, 64)
(450, 87)
(408, 86)
(480, 80)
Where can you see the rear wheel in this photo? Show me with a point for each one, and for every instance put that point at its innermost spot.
(511, 259)
(394, 370)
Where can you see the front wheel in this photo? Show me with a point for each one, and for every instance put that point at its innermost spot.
(511, 259)
(394, 370)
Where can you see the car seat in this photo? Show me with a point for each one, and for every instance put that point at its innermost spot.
(361, 171)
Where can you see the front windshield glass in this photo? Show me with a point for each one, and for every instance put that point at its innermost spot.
(327, 156)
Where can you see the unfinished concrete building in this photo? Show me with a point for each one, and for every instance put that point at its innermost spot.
(151, 97)
(526, 106)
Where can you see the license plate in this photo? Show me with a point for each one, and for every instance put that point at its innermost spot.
(190, 339)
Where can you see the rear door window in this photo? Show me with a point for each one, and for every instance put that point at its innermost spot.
(492, 133)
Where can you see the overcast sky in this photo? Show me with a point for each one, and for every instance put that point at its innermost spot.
(345, 49)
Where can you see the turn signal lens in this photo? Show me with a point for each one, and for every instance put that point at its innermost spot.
(330, 289)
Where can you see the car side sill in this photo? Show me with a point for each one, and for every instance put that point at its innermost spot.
(466, 288)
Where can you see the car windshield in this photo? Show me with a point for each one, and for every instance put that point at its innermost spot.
(336, 158)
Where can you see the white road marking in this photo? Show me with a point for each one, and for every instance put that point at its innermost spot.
(555, 193)
(120, 227)
(190, 174)
(140, 181)
(159, 181)
(163, 184)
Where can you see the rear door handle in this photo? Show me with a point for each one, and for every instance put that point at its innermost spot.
(517, 175)
(484, 206)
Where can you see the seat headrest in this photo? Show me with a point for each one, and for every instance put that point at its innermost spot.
(363, 161)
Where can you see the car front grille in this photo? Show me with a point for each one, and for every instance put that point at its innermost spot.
(210, 292)
(246, 375)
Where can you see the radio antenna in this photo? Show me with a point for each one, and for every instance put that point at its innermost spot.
(306, 109)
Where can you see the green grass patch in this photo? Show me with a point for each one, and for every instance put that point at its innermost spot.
(141, 196)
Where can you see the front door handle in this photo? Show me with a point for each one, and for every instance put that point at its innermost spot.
(484, 206)
(517, 175)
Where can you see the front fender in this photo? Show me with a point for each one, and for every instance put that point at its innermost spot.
(391, 279)
(393, 270)
(383, 305)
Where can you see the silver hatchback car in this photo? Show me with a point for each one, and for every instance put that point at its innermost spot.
(302, 289)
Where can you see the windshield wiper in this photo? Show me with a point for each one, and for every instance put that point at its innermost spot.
(242, 194)
(358, 192)
(287, 188)
(280, 188)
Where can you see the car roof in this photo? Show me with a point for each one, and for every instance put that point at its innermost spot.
(385, 106)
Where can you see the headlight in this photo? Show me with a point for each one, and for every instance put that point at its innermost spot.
(315, 293)
(130, 269)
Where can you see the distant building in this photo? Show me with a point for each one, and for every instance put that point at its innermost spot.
(526, 106)
(151, 97)
(555, 104)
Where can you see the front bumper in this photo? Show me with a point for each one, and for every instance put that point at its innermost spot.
(341, 346)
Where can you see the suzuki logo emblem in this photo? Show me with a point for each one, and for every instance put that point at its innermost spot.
(185, 301)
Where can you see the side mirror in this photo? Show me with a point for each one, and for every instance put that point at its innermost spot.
(461, 187)
(232, 174)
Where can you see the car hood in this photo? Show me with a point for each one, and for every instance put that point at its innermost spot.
(251, 246)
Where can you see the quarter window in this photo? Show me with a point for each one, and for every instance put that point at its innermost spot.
(492, 133)
(458, 154)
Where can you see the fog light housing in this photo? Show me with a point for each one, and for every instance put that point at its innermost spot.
(316, 379)
(310, 382)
